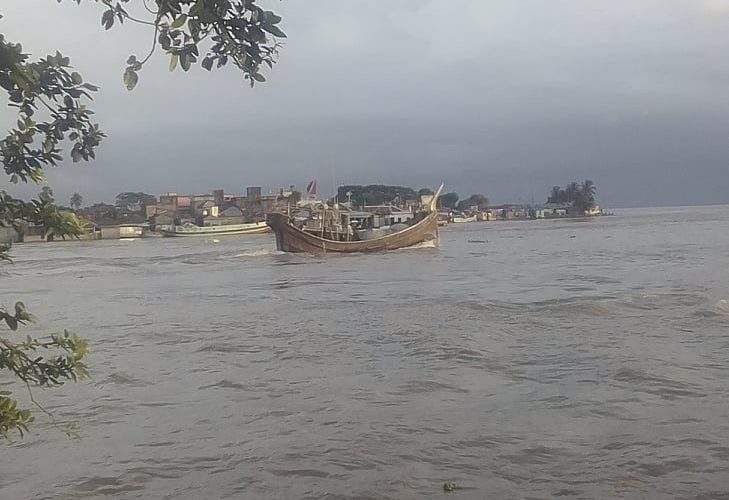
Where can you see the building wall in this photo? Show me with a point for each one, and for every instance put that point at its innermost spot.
(167, 203)
(130, 232)
(110, 233)
(268, 203)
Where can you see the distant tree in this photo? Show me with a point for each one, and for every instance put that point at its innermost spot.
(99, 211)
(425, 191)
(571, 191)
(449, 200)
(588, 188)
(76, 201)
(557, 195)
(580, 196)
(585, 198)
(375, 194)
(134, 202)
(475, 200)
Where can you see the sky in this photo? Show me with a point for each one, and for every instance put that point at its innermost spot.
(501, 97)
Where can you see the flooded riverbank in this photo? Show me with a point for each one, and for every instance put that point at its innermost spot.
(582, 359)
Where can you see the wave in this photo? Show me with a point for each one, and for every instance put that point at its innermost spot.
(718, 310)
(118, 378)
(605, 305)
(424, 244)
(721, 307)
(258, 252)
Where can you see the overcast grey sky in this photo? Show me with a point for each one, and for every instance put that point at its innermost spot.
(505, 98)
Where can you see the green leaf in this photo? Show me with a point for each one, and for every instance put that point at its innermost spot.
(271, 18)
(76, 78)
(259, 77)
(179, 21)
(164, 40)
(130, 80)
(185, 61)
(132, 59)
(107, 19)
(207, 63)
(12, 322)
(173, 61)
(274, 30)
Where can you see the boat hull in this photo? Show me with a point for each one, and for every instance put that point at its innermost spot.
(289, 238)
(253, 228)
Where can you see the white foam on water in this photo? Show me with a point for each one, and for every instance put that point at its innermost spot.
(259, 252)
(721, 307)
(424, 244)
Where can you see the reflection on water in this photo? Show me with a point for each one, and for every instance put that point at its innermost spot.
(581, 359)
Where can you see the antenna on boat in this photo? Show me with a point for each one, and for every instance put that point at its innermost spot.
(334, 186)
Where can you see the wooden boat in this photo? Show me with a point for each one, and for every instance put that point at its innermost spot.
(290, 238)
(223, 230)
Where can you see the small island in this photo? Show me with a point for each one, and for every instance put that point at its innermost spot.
(574, 200)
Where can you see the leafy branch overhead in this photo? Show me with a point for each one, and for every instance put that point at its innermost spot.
(49, 85)
(225, 31)
(51, 113)
(52, 116)
(22, 359)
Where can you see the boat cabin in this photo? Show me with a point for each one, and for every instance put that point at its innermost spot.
(348, 225)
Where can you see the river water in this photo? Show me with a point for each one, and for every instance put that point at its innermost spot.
(580, 359)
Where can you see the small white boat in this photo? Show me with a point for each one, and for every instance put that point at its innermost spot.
(460, 219)
(224, 230)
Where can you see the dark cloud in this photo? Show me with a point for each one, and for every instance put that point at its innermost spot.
(504, 98)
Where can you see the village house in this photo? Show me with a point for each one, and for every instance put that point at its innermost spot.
(217, 208)
(390, 214)
(553, 210)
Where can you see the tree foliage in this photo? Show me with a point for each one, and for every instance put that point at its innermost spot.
(76, 201)
(225, 31)
(51, 105)
(376, 194)
(579, 196)
(50, 101)
(475, 200)
(52, 115)
(134, 202)
(24, 360)
(449, 200)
